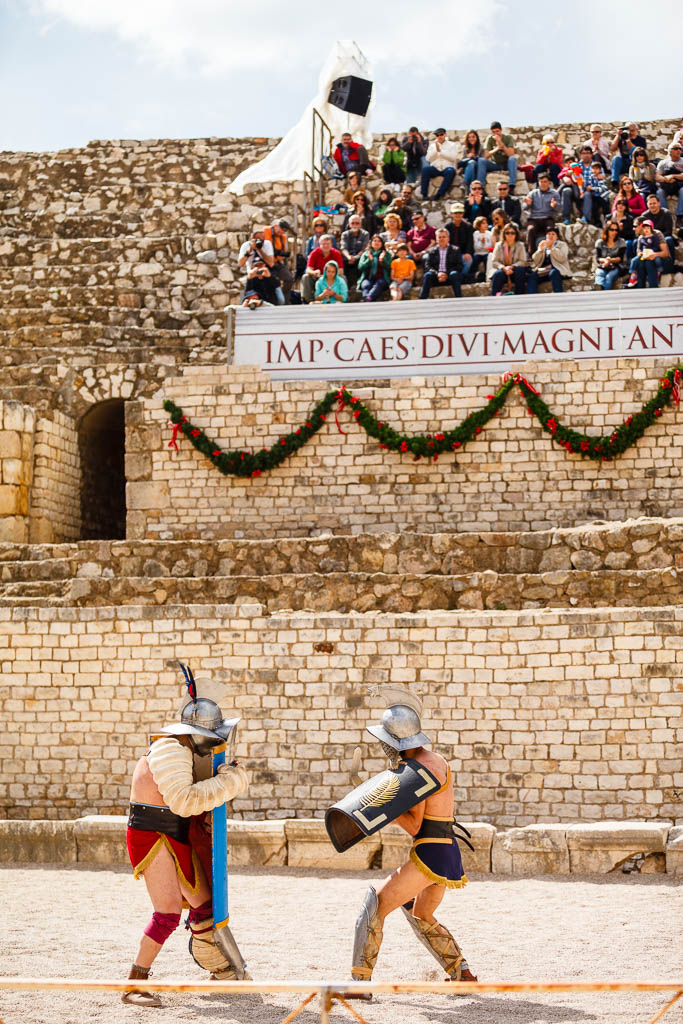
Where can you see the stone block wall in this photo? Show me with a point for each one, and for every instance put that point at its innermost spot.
(512, 478)
(544, 716)
(16, 465)
(55, 513)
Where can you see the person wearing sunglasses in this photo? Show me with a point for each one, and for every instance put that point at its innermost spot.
(509, 263)
(550, 261)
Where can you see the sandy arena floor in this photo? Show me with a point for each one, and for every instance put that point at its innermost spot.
(294, 924)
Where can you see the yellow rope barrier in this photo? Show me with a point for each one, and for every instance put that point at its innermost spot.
(331, 992)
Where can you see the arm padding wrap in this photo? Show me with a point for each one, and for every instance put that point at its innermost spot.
(171, 766)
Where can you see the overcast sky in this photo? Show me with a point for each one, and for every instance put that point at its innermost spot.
(76, 70)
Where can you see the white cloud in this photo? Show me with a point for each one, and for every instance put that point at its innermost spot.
(219, 37)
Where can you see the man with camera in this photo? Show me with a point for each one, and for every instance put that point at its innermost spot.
(625, 141)
(415, 147)
(261, 287)
(258, 253)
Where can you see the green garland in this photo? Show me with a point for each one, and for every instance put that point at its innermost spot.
(247, 463)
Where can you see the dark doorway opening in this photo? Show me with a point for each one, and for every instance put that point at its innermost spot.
(101, 443)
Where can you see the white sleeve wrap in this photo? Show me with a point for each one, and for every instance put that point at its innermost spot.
(171, 766)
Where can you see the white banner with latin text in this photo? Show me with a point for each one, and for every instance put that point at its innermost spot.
(456, 336)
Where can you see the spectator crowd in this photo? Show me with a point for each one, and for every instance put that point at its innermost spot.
(386, 245)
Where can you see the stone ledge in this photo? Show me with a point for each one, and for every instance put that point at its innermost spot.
(594, 848)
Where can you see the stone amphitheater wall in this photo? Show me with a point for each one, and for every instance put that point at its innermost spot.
(16, 469)
(55, 494)
(545, 716)
(512, 478)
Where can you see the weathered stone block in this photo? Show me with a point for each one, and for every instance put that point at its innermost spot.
(531, 850)
(14, 529)
(101, 839)
(146, 495)
(256, 843)
(395, 847)
(674, 851)
(483, 836)
(603, 846)
(309, 846)
(37, 842)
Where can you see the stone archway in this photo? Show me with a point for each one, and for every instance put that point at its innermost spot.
(101, 445)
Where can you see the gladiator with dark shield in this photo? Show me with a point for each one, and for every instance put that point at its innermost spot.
(419, 786)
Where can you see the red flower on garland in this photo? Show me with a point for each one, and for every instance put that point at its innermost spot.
(217, 452)
(196, 433)
(666, 383)
(257, 472)
(585, 445)
(658, 412)
(404, 446)
(456, 444)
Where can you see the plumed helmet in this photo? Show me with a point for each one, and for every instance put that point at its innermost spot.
(202, 719)
(400, 728)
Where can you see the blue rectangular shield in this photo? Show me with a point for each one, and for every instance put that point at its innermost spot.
(219, 877)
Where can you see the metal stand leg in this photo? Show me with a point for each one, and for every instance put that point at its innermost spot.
(660, 1014)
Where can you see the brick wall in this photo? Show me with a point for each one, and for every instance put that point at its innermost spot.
(56, 494)
(512, 478)
(545, 716)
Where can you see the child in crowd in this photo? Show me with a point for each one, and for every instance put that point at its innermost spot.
(650, 250)
(330, 287)
(483, 245)
(402, 273)
(596, 197)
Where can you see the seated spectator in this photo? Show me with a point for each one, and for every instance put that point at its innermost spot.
(442, 161)
(599, 146)
(256, 250)
(482, 241)
(421, 236)
(477, 203)
(331, 287)
(315, 265)
(623, 219)
(354, 242)
(405, 212)
(573, 183)
(402, 273)
(651, 251)
(393, 233)
(442, 265)
(499, 155)
(624, 142)
(277, 234)
(542, 204)
(415, 148)
(663, 222)
(461, 234)
(550, 159)
(551, 260)
(627, 191)
(319, 229)
(382, 203)
(472, 151)
(375, 270)
(361, 206)
(352, 156)
(508, 263)
(642, 172)
(354, 183)
(507, 203)
(669, 177)
(393, 163)
(498, 222)
(261, 287)
(610, 257)
(596, 197)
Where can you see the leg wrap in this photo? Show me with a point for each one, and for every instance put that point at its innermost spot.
(206, 953)
(198, 914)
(440, 943)
(368, 938)
(161, 926)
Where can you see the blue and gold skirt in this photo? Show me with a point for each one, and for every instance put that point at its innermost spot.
(435, 852)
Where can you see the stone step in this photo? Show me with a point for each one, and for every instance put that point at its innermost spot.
(26, 251)
(637, 544)
(115, 316)
(112, 195)
(137, 274)
(104, 224)
(369, 592)
(193, 298)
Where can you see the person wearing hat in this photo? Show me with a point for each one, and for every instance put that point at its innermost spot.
(435, 863)
(172, 788)
(461, 234)
(442, 162)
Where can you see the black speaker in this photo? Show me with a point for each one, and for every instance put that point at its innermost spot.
(351, 94)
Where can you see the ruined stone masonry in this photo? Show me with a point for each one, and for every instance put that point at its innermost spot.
(534, 599)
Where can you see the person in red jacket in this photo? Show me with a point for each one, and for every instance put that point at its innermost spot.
(549, 159)
(352, 156)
